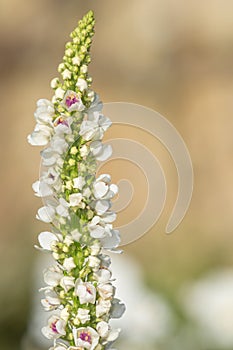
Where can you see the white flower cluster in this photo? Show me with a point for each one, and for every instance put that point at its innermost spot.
(78, 206)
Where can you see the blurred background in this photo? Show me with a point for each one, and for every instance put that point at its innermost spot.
(175, 57)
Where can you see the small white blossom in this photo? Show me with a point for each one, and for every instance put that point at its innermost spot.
(59, 93)
(103, 307)
(66, 74)
(100, 151)
(76, 61)
(94, 262)
(69, 264)
(85, 291)
(42, 189)
(69, 52)
(54, 83)
(79, 182)
(64, 314)
(105, 331)
(47, 239)
(52, 276)
(46, 214)
(84, 69)
(51, 301)
(67, 283)
(55, 328)
(83, 315)
(63, 208)
(85, 338)
(73, 102)
(106, 290)
(84, 151)
(81, 84)
(103, 275)
(76, 235)
(94, 129)
(75, 199)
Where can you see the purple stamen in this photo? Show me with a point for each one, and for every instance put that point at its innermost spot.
(70, 100)
(62, 121)
(53, 327)
(85, 337)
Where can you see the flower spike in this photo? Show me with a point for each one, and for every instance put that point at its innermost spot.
(79, 293)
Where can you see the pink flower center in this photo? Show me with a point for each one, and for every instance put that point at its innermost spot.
(88, 290)
(85, 336)
(61, 121)
(71, 99)
(53, 327)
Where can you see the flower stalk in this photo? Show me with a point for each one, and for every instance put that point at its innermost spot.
(79, 292)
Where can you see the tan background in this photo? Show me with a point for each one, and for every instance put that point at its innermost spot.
(173, 56)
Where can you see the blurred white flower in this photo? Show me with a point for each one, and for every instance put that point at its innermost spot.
(209, 302)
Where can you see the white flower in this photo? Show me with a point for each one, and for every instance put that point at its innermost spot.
(58, 144)
(64, 314)
(47, 239)
(52, 276)
(44, 128)
(76, 61)
(95, 248)
(50, 157)
(67, 283)
(69, 264)
(68, 240)
(93, 262)
(46, 214)
(102, 189)
(62, 125)
(63, 208)
(59, 93)
(55, 328)
(69, 52)
(106, 290)
(83, 69)
(96, 105)
(209, 302)
(112, 240)
(117, 309)
(85, 338)
(103, 275)
(81, 84)
(83, 315)
(85, 291)
(79, 182)
(75, 199)
(101, 152)
(76, 235)
(84, 151)
(40, 136)
(103, 307)
(105, 331)
(42, 189)
(66, 74)
(96, 230)
(73, 102)
(51, 301)
(54, 83)
(94, 129)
